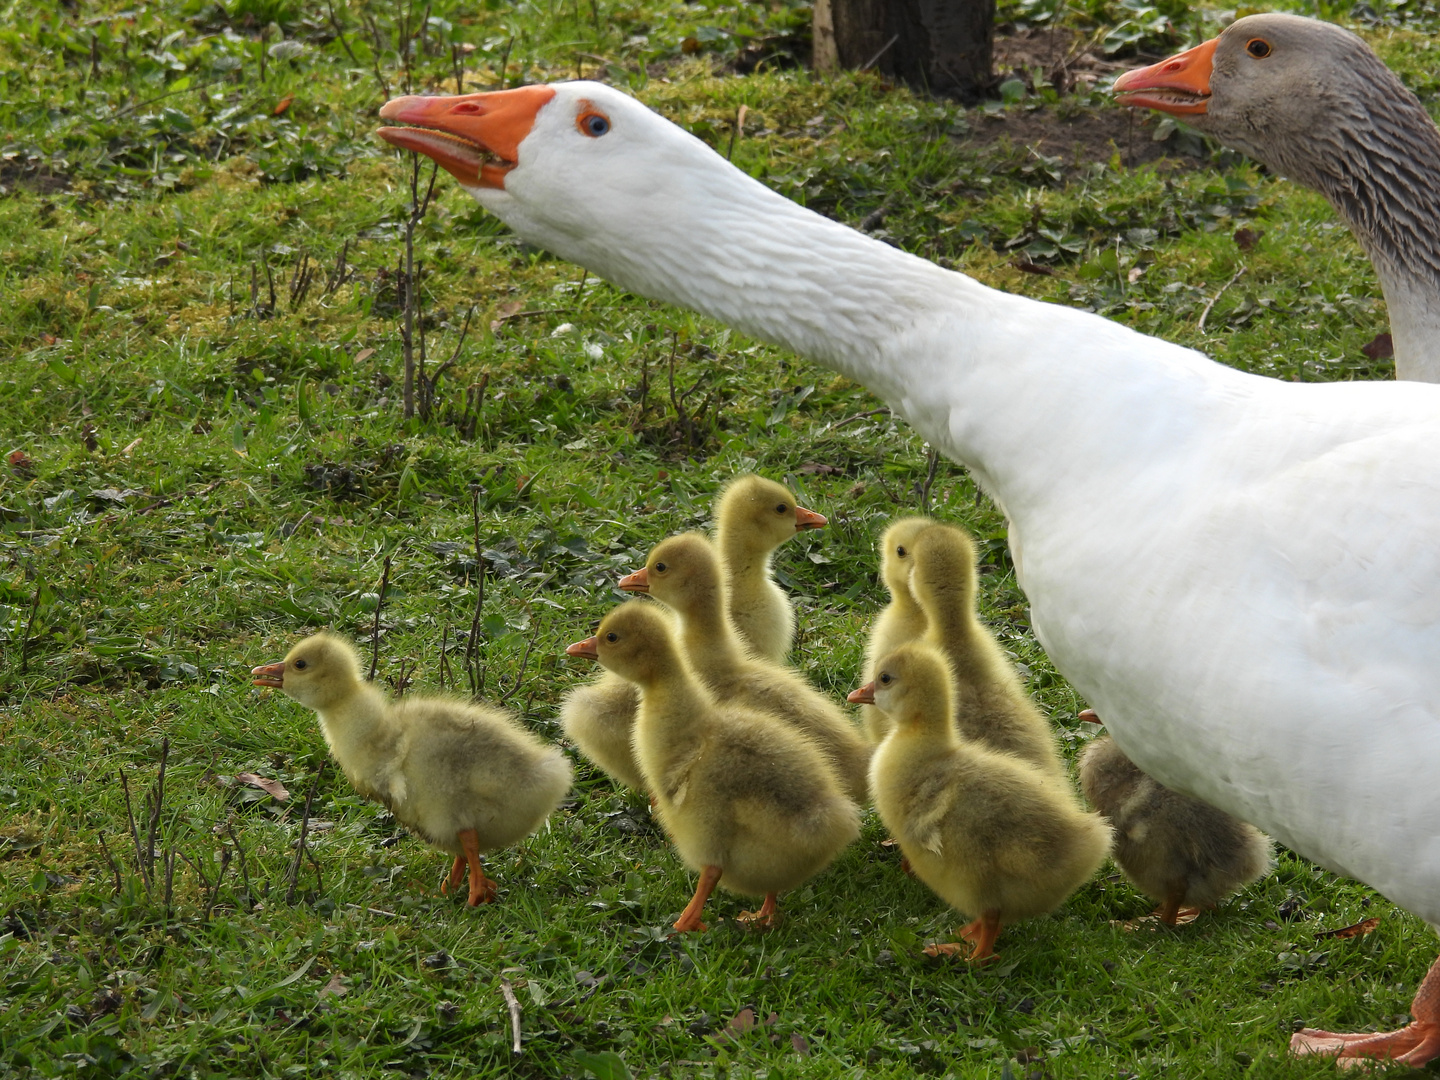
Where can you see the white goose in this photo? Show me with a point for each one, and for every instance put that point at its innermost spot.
(1313, 102)
(1241, 575)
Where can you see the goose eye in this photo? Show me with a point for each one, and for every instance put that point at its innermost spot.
(612, 637)
(1258, 48)
(900, 551)
(593, 124)
(886, 678)
(660, 568)
(782, 508)
(301, 665)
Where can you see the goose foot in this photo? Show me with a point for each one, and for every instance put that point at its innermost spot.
(689, 920)
(482, 889)
(1172, 913)
(1413, 1045)
(979, 937)
(767, 917)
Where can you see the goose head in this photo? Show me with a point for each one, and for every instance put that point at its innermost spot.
(682, 572)
(633, 641)
(897, 553)
(1302, 96)
(577, 167)
(319, 673)
(761, 514)
(912, 686)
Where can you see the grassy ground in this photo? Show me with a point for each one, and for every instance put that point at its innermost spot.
(201, 471)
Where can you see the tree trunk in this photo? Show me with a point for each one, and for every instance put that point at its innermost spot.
(941, 46)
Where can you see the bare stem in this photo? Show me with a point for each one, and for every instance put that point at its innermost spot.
(375, 629)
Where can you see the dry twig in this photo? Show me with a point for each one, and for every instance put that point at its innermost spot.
(514, 1006)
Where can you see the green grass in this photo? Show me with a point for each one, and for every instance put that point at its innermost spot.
(256, 473)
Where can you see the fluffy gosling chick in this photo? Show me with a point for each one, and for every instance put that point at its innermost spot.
(464, 778)
(991, 705)
(599, 717)
(991, 834)
(753, 517)
(1180, 852)
(683, 573)
(902, 620)
(747, 802)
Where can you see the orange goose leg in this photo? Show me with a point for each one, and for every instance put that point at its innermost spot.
(1414, 1044)
(452, 880)
(689, 919)
(482, 889)
(767, 916)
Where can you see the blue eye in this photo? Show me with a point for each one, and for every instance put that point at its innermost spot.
(594, 125)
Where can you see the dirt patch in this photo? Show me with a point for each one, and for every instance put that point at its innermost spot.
(38, 181)
(1080, 137)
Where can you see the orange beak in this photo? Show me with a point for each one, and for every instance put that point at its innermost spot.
(808, 519)
(474, 137)
(863, 696)
(1180, 85)
(587, 648)
(639, 581)
(269, 675)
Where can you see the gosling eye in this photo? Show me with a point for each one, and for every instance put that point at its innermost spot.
(1258, 48)
(782, 508)
(900, 551)
(660, 568)
(301, 665)
(887, 678)
(612, 637)
(593, 124)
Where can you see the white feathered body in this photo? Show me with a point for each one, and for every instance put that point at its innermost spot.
(1241, 575)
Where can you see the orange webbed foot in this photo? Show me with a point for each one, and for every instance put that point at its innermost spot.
(1415, 1044)
(766, 918)
(482, 889)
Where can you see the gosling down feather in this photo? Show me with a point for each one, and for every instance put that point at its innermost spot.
(464, 778)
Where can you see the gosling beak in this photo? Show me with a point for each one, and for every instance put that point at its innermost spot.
(863, 696)
(639, 581)
(586, 648)
(809, 519)
(1179, 85)
(270, 675)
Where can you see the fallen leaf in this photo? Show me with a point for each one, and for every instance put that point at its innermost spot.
(364, 354)
(1134, 274)
(505, 311)
(799, 1045)
(1381, 347)
(817, 468)
(1246, 239)
(892, 842)
(1032, 267)
(690, 45)
(131, 446)
(740, 1023)
(1359, 929)
(283, 104)
(20, 462)
(273, 787)
(335, 987)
